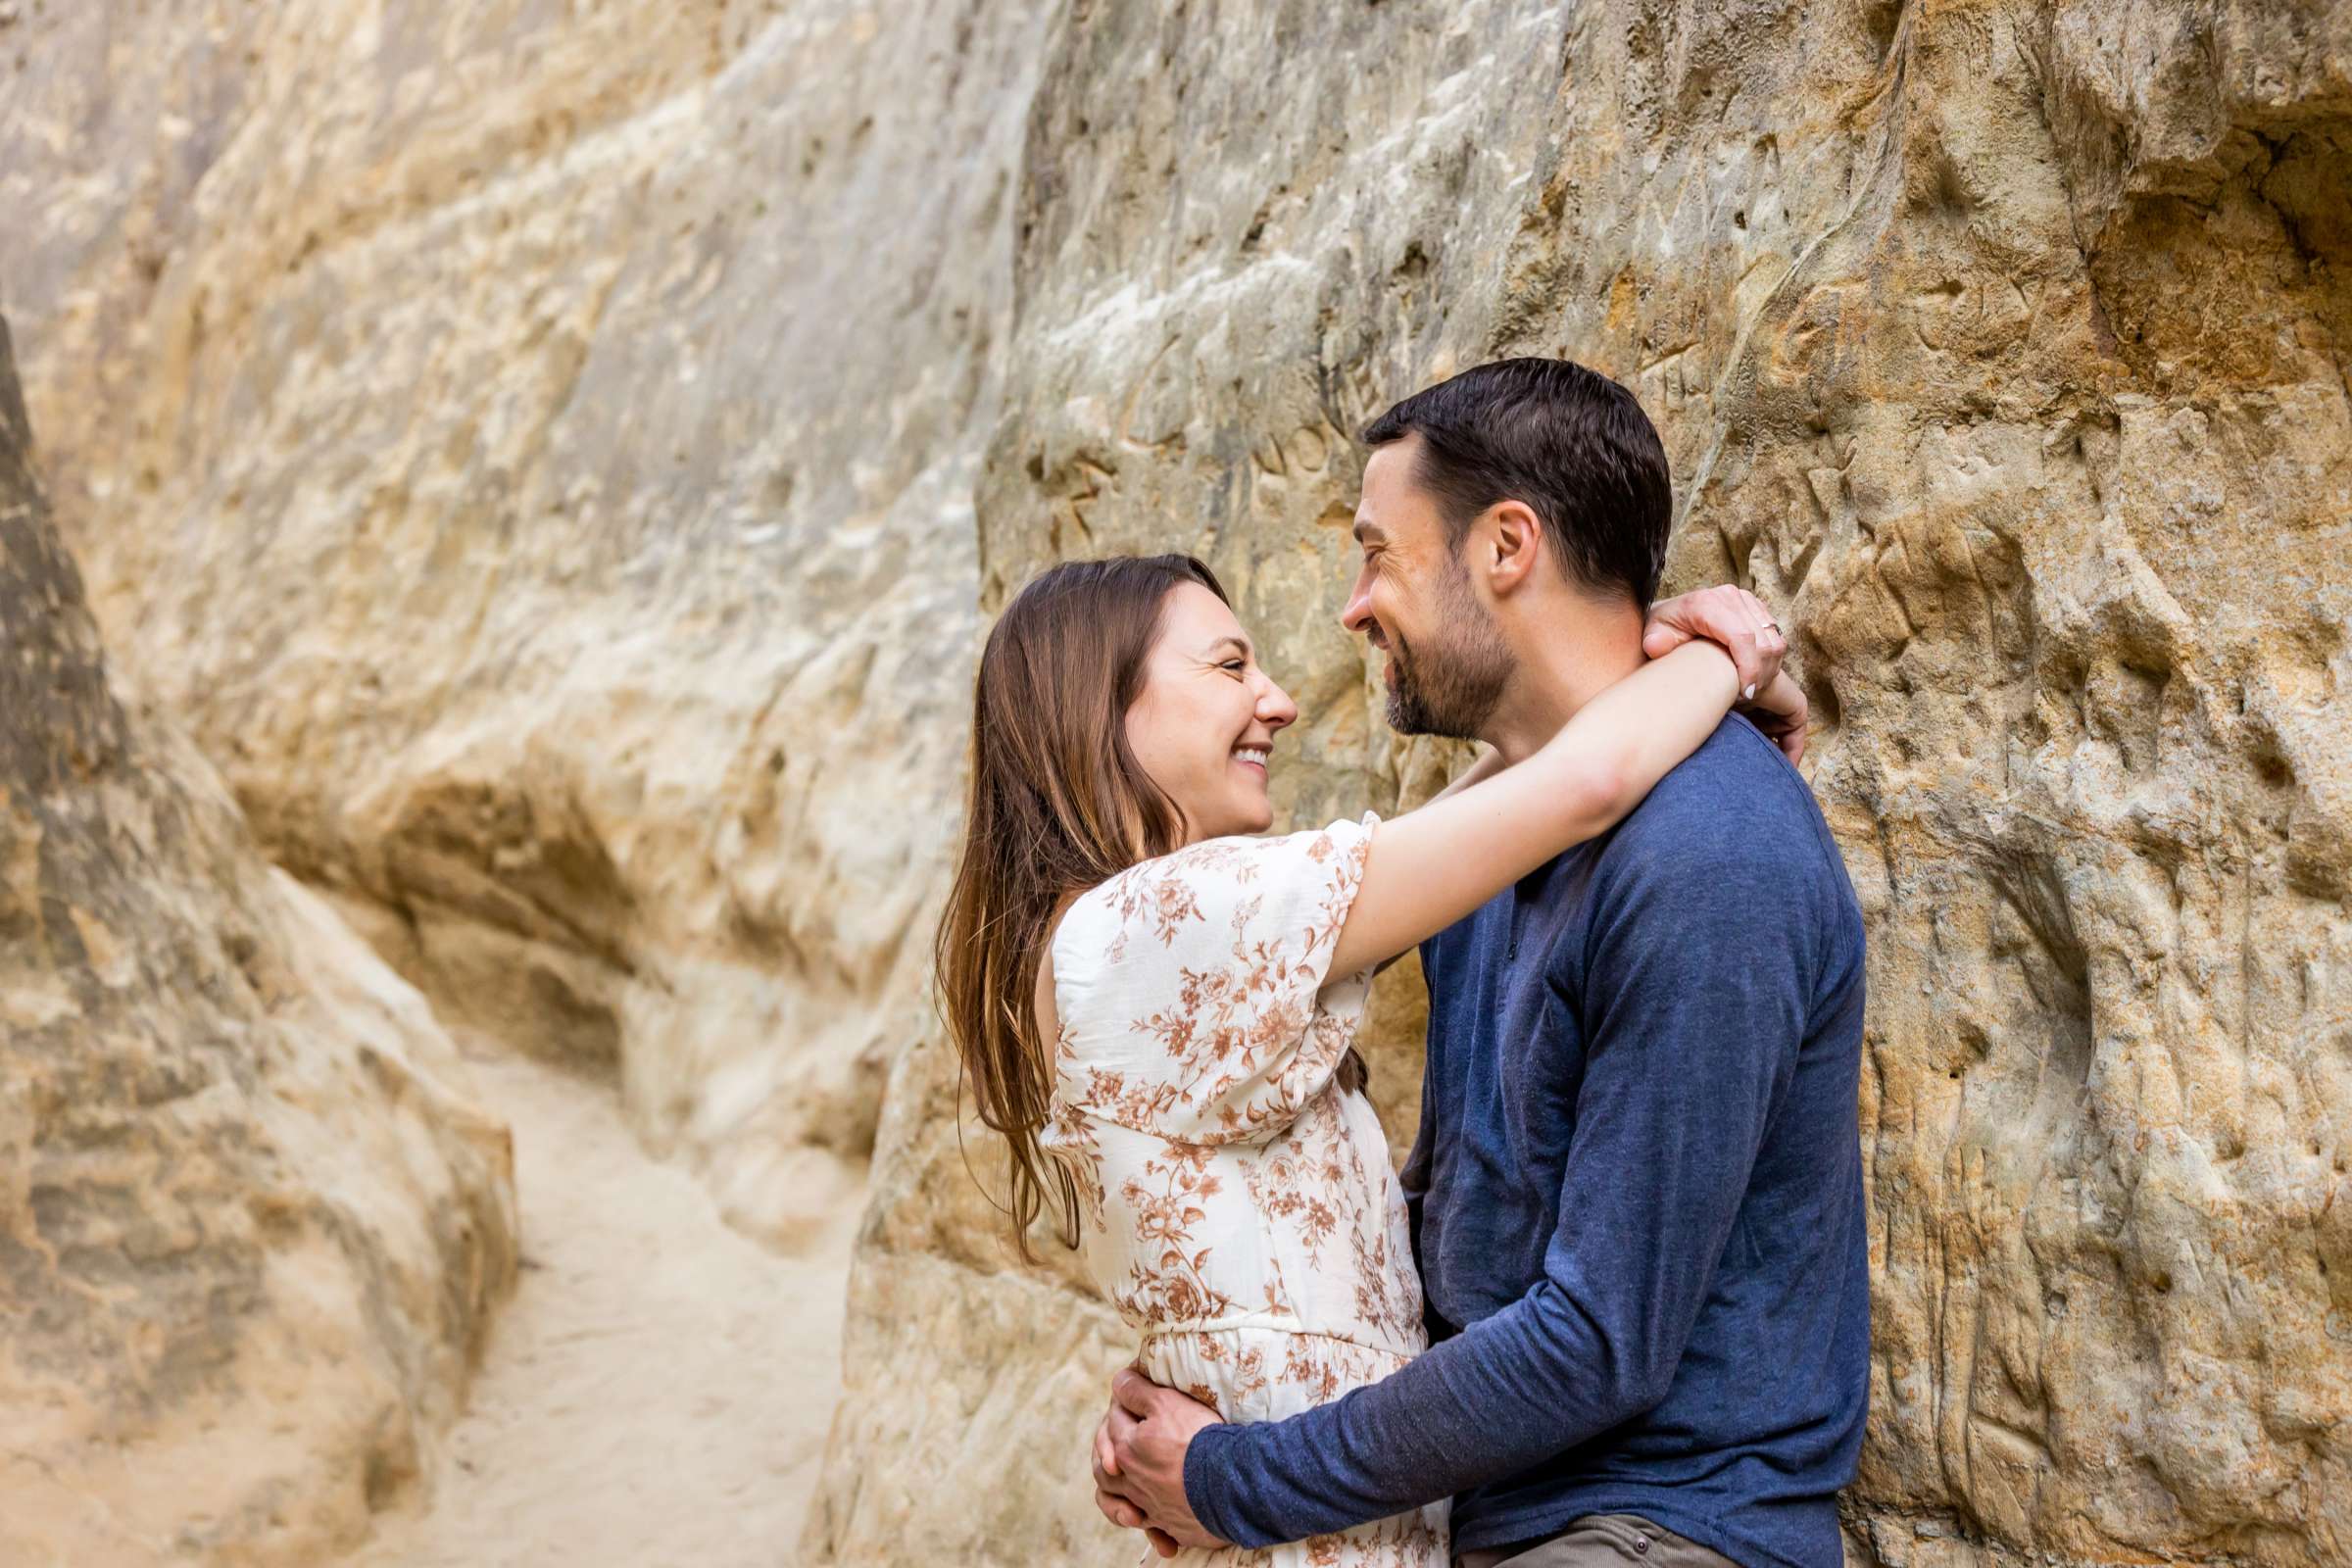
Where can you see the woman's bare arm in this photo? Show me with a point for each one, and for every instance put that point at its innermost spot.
(1487, 764)
(1428, 868)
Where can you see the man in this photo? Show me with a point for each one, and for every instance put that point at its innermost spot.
(1637, 1193)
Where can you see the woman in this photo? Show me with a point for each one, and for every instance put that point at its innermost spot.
(1157, 1012)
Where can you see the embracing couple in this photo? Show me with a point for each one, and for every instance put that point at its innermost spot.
(1616, 1309)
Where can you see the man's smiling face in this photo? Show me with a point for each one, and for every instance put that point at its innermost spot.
(1447, 663)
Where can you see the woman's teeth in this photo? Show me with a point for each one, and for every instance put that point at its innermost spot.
(1251, 754)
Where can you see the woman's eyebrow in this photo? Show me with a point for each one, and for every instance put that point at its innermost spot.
(1239, 643)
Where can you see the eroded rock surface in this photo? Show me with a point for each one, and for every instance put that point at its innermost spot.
(2003, 348)
(557, 464)
(531, 449)
(251, 1226)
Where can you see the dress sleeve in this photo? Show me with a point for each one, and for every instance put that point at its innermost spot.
(1194, 989)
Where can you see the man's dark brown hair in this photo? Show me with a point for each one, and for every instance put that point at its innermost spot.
(1570, 445)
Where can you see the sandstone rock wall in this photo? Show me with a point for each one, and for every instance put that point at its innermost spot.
(530, 447)
(2004, 349)
(556, 463)
(251, 1226)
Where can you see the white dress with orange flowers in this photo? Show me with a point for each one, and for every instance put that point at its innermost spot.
(1239, 1207)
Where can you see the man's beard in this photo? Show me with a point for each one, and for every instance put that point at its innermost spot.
(1451, 687)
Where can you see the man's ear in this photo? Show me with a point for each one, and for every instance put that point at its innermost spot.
(1512, 537)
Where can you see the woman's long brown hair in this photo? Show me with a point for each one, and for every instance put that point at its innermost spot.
(1058, 803)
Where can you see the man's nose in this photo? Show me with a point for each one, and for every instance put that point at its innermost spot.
(1358, 612)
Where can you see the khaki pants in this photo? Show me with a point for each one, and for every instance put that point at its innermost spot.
(1602, 1541)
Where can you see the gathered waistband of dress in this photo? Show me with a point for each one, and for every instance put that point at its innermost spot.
(1274, 1323)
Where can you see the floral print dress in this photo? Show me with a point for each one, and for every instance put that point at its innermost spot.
(1238, 1205)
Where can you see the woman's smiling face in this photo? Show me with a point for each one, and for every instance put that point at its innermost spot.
(1203, 725)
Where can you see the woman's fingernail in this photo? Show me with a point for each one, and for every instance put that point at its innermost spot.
(1749, 691)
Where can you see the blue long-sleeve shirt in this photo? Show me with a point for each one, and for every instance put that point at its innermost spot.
(1636, 1202)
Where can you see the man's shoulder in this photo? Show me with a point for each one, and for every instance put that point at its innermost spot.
(1736, 761)
(1729, 855)
(1735, 777)
(1734, 808)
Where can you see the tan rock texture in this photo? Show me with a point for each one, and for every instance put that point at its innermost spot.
(530, 448)
(251, 1226)
(556, 462)
(2004, 349)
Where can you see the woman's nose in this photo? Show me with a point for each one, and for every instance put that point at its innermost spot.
(1275, 710)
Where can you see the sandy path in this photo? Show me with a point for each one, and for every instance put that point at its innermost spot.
(657, 1392)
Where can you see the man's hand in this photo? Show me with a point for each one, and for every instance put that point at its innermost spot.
(1116, 1506)
(1138, 1463)
(1731, 617)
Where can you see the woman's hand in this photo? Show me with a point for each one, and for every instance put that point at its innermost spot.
(1780, 711)
(1741, 623)
(1732, 618)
